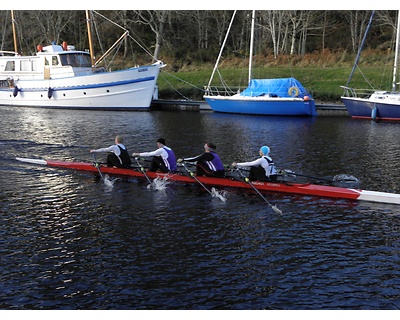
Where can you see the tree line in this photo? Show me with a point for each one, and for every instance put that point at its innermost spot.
(197, 35)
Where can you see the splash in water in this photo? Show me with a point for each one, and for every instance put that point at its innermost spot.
(108, 182)
(219, 194)
(159, 184)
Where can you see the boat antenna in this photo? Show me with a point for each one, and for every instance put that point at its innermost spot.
(251, 44)
(359, 49)
(396, 53)
(89, 36)
(220, 52)
(14, 31)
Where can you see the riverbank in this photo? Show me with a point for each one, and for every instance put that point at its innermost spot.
(323, 109)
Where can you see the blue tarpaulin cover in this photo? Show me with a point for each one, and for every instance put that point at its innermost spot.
(274, 87)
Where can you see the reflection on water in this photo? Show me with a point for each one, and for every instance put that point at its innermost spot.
(71, 242)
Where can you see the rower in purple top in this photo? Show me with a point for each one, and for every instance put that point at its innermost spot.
(163, 158)
(209, 163)
(262, 169)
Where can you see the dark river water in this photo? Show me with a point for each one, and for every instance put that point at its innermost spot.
(68, 241)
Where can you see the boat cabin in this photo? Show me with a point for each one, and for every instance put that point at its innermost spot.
(50, 62)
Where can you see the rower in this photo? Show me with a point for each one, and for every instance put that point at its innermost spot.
(163, 158)
(262, 169)
(209, 163)
(118, 156)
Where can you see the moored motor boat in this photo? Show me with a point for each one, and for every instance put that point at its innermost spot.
(59, 76)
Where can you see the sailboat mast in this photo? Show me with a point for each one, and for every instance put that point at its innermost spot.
(89, 36)
(396, 55)
(14, 31)
(220, 52)
(251, 44)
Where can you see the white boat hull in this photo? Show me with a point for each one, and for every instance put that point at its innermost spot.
(130, 89)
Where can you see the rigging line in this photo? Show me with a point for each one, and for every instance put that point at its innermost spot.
(184, 81)
(360, 48)
(365, 78)
(222, 49)
(133, 39)
(176, 90)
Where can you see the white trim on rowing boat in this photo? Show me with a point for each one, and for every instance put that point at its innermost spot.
(377, 196)
(36, 161)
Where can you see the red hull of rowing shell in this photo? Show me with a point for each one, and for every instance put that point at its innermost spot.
(289, 188)
(292, 188)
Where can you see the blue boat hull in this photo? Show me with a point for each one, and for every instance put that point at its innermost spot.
(271, 107)
(365, 109)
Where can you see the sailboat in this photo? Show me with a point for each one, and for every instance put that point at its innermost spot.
(380, 105)
(59, 76)
(274, 97)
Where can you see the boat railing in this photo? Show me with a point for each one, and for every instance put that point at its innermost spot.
(221, 91)
(8, 53)
(357, 93)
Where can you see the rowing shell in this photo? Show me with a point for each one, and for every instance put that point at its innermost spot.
(279, 187)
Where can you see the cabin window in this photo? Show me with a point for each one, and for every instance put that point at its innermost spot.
(54, 60)
(34, 65)
(10, 66)
(76, 60)
(46, 61)
(25, 65)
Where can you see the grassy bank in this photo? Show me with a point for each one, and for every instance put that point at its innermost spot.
(323, 83)
(321, 74)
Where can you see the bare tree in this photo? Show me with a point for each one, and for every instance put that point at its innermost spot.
(155, 20)
(358, 21)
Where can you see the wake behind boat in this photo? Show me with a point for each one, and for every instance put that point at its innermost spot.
(231, 182)
(59, 76)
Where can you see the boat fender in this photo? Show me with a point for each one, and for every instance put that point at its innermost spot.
(374, 113)
(49, 92)
(15, 92)
(293, 91)
(10, 82)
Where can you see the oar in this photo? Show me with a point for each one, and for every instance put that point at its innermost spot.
(194, 176)
(142, 170)
(291, 173)
(274, 207)
(97, 165)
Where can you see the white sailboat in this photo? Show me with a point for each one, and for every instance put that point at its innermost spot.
(380, 105)
(59, 76)
(279, 97)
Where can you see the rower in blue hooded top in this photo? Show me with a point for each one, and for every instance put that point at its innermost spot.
(261, 169)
